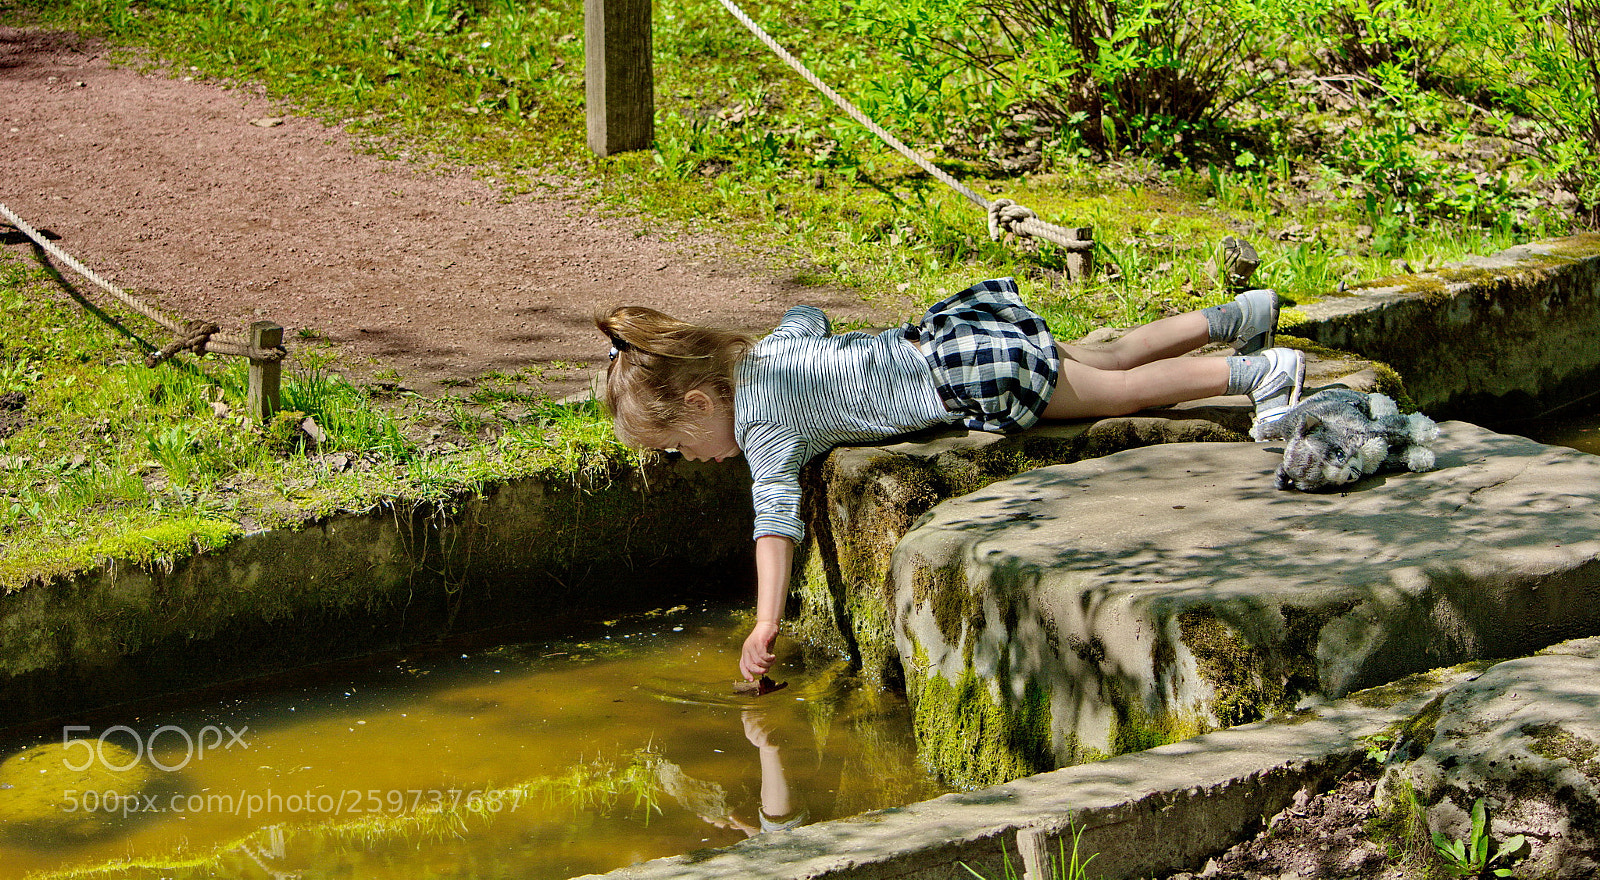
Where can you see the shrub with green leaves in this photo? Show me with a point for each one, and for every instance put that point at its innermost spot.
(1111, 74)
(1544, 61)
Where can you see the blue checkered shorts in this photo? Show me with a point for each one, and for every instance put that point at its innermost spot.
(993, 358)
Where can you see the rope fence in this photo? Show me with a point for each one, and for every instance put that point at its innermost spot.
(1005, 216)
(263, 347)
(619, 51)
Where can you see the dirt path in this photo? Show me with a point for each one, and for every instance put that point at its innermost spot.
(179, 187)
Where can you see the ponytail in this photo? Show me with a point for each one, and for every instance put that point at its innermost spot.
(656, 360)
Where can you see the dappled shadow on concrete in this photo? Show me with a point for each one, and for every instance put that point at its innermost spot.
(1090, 575)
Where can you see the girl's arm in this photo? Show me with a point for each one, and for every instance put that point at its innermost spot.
(774, 558)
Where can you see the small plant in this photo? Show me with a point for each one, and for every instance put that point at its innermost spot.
(1470, 857)
(173, 447)
(18, 374)
(1377, 746)
(1065, 866)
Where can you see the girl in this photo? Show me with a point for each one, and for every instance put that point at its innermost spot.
(980, 358)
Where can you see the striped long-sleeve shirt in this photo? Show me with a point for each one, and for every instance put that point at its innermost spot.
(802, 391)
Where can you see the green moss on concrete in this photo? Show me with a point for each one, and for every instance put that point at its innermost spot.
(846, 595)
(162, 543)
(1418, 732)
(1387, 696)
(1466, 274)
(1529, 271)
(971, 736)
(1552, 742)
(1585, 245)
(1242, 690)
(1302, 632)
(1138, 729)
(1250, 683)
(863, 510)
(149, 546)
(957, 608)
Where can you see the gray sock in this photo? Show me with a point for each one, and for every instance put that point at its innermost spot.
(1245, 371)
(1225, 321)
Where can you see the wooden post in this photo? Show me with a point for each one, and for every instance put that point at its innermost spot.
(1080, 264)
(1033, 846)
(619, 81)
(265, 375)
(1239, 262)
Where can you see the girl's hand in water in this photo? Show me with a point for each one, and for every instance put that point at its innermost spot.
(757, 656)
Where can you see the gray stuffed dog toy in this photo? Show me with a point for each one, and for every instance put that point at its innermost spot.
(1338, 436)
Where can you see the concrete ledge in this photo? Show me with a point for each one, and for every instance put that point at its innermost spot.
(529, 551)
(1164, 809)
(1484, 340)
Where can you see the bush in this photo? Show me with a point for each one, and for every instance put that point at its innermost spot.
(1555, 69)
(1109, 74)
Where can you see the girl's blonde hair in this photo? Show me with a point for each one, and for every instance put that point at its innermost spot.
(658, 359)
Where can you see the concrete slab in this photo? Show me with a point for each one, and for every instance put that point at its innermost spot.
(1101, 607)
(861, 500)
(1525, 738)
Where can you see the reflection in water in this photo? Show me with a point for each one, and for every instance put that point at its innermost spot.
(778, 808)
(547, 759)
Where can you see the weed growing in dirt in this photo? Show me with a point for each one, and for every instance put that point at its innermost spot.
(1471, 857)
(1064, 866)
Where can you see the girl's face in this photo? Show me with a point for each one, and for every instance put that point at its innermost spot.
(706, 433)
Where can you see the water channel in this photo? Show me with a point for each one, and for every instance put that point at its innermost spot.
(1580, 431)
(548, 758)
(535, 756)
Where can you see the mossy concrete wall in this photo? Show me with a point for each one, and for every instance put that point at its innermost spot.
(528, 552)
(1487, 340)
(860, 501)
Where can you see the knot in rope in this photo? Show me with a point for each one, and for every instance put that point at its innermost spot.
(1006, 216)
(196, 335)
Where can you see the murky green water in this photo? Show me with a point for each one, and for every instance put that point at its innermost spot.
(548, 759)
(1579, 432)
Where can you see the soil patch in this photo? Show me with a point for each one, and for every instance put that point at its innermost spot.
(1324, 835)
(218, 204)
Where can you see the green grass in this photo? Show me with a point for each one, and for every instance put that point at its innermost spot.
(110, 459)
(743, 147)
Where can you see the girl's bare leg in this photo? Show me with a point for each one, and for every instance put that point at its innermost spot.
(1086, 391)
(1147, 343)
